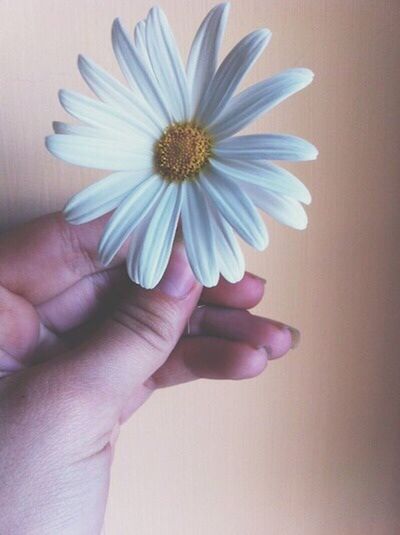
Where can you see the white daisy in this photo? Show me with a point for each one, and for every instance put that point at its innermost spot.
(169, 140)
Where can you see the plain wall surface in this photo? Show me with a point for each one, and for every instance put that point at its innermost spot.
(311, 447)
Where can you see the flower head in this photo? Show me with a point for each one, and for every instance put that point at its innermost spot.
(182, 152)
(169, 138)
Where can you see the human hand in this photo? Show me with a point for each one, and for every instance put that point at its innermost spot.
(82, 348)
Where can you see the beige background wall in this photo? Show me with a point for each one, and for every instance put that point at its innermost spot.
(312, 447)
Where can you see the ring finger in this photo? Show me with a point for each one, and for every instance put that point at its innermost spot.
(242, 326)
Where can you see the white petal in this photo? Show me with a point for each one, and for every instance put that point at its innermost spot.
(230, 257)
(284, 209)
(121, 46)
(236, 207)
(266, 147)
(229, 75)
(137, 72)
(148, 258)
(140, 42)
(138, 235)
(98, 153)
(167, 64)
(111, 91)
(124, 220)
(266, 175)
(203, 56)
(82, 130)
(96, 113)
(256, 100)
(102, 196)
(199, 236)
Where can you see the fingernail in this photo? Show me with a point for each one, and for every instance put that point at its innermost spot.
(296, 336)
(257, 278)
(178, 279)
(267, 350)
(294, 333)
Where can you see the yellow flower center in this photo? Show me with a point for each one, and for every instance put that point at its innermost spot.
(182, 151)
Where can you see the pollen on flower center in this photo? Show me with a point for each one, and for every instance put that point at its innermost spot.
(182, 151)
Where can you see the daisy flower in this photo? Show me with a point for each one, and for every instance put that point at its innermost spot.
(169, 140)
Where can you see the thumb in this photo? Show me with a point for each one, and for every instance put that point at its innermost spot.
(140, 334)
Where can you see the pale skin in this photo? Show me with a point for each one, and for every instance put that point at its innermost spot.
(82, 348)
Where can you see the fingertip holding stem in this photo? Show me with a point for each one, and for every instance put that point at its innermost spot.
(178, 279)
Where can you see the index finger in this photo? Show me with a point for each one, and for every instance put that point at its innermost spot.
(44, 257)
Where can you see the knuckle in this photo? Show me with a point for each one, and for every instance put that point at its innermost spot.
(151, 322)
